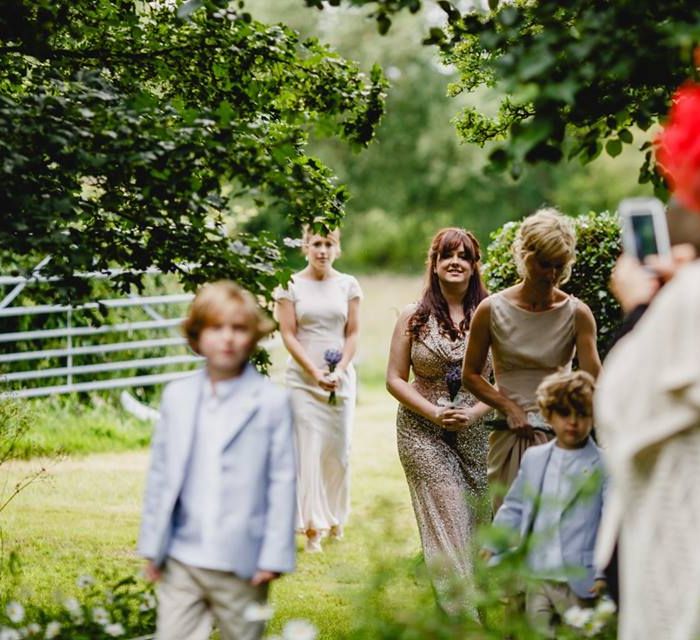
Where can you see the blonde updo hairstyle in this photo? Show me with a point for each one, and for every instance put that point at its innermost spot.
(307, 233)
(549, 235)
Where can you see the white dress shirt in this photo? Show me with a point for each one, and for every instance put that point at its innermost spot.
(196, 513)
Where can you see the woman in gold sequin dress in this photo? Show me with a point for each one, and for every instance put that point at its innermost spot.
(442, 444)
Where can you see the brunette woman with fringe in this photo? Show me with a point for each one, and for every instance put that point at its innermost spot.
(441, 439)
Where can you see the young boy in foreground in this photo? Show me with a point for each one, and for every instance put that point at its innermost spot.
(218, 516)
(555, 504)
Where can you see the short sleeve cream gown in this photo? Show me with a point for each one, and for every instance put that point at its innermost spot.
(526, 346)
(322, 430)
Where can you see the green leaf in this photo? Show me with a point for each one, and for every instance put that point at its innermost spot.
(383, 24)
(625, 135)
(225, 113)
(613, 147)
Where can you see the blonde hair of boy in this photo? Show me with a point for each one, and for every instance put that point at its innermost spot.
(549, 235)
(209, 304)
(564, 392)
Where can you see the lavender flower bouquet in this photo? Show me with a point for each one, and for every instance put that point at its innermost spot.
(453, 380)
(332, 358)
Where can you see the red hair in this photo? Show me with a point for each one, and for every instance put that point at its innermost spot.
(432, 301)
(678, 147)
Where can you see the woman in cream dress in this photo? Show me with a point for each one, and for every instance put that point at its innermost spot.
(318, 312)
(648, 414)
(532, 330)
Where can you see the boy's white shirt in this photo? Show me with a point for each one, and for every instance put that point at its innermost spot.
(198, 510)
(255, 503)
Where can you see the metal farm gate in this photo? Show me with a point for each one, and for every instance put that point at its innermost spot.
(77, 355)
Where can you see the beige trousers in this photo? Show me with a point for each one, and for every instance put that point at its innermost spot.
(191, 599)
(548, 600)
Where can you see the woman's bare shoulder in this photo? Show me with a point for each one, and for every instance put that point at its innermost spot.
(407, 312)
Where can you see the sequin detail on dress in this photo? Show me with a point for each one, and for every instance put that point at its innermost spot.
(446, 471)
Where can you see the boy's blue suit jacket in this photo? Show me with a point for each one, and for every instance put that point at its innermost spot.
(580, 517)
(257, 500)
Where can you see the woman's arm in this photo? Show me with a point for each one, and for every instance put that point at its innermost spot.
(398, 371)
(475, 359)
(286, 317)
(586, 347)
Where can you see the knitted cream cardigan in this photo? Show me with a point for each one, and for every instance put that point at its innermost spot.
(647, 412)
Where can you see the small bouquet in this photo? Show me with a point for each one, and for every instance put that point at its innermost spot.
(453, 380)
(332, 358)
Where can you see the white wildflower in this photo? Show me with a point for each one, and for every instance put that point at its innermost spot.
(33, 629)
(258, 612)
(162, 5)
(9, 634)
(52, 630)
(72, 605)
(605, 607)
(85, 581)
(594, 628)
(577, 617)
(15, 611)
(100, 615)
(114, 630)
(299, 630)
(148, 602)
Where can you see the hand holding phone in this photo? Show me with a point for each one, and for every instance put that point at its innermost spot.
(644, 227)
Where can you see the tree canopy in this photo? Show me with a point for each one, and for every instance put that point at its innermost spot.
(571, 78)
(130, 129)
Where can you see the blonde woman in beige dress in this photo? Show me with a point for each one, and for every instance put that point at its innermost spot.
(319, 311)
(532, 329)
(442, 444)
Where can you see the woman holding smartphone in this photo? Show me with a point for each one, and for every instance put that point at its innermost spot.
(648, 411)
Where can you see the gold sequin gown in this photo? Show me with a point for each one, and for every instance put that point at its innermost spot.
(446, 471)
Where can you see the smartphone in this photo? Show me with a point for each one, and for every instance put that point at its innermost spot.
(644, 227)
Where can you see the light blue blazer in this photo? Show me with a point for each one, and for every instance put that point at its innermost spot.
(257, 499)
(580, 517)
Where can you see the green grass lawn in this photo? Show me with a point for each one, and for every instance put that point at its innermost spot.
(83, 517)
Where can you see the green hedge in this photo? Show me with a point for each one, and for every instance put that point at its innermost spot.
(597, 248)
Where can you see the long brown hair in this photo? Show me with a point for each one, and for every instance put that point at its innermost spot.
(432, 301)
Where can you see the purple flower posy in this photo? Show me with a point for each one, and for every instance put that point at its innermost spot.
(453, 380)
(332, 358)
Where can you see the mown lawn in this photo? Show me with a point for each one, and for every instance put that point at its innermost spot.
(84, 519)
